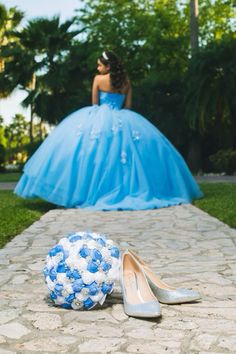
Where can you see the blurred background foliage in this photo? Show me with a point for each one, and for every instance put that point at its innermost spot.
(189, 95)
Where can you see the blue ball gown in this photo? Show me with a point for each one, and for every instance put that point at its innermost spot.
(104, 157)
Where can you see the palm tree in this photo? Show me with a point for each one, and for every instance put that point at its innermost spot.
(43, 43)
(9, 21)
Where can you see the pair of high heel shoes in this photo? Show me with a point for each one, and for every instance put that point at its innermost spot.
(143, 290)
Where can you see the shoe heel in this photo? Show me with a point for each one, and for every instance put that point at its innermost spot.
(138, 298)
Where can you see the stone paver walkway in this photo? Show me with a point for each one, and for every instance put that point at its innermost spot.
(7, 185)
(183, 244)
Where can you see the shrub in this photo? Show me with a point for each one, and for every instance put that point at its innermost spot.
(2, 158)
(224, 161)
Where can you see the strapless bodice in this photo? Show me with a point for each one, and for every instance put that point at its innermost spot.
(112, 99)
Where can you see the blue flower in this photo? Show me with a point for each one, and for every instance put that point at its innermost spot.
(53, 296)
(101, 242)
(61, 268)
(107, 288)
(66, 306)
(92, 267)
(74, 238)
(53, 252)
(105, 266)
(52, 274)
(77, 286)
(89, 237)
(84, 252)
(88, 303)
(76, 274)
(96, 255)
(115, 252)
(69, 273)
(46, 271)
(93, 288)
(70, 298)
(65, 254)
(58, 289)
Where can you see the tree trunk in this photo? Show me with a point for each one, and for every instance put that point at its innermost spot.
(194, 152)
(194, 25)
(31, 124)
(41, 131)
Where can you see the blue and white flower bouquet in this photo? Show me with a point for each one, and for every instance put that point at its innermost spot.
(81, 270)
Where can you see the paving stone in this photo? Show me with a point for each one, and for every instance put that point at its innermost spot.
(44, 320)
(8, 315)
(106, 345)
(2, 340)
(47, 344)
(203, 341)
(154, 348)
(5, 351)
(13, 330)
(228, 342)
(93, 330)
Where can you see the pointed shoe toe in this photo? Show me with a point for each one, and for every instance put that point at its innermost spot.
(174, 296)
(149, 309)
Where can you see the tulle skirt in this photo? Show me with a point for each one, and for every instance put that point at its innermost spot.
(108, 159)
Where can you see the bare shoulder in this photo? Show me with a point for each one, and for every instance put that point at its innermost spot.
(97, 78)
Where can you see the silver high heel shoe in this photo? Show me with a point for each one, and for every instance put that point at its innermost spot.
(138, 298)
(164, 293)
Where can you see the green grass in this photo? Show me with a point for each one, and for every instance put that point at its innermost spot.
(16, 214)
(219, 201)
(10, 176)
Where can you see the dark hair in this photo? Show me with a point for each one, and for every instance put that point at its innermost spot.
(118, 75)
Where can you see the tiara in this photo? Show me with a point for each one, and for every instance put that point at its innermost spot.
(105, 56)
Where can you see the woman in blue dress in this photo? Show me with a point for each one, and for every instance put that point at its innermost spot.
(106, 156)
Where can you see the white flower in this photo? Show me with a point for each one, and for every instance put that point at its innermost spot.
(80, 296)
(72, 261)
(65, 243)
(82, 264)
(113, 274)
(59, 300)
(81, 233)
(55, 260)
(64, 293)
(97, 297)
(68, 288)
(76, 305)
(115, 265)
(87, 277)
(102, 300)
(84, 292)
(109, 243)
(105, 253)
(62, 278)
(77, 246)
(50, 284)
(99, 277)
(50, 263)
(92, 244)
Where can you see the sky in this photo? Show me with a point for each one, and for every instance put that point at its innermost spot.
(33, 8)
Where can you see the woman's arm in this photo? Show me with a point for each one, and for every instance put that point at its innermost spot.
(128, 101)
(95, 89)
